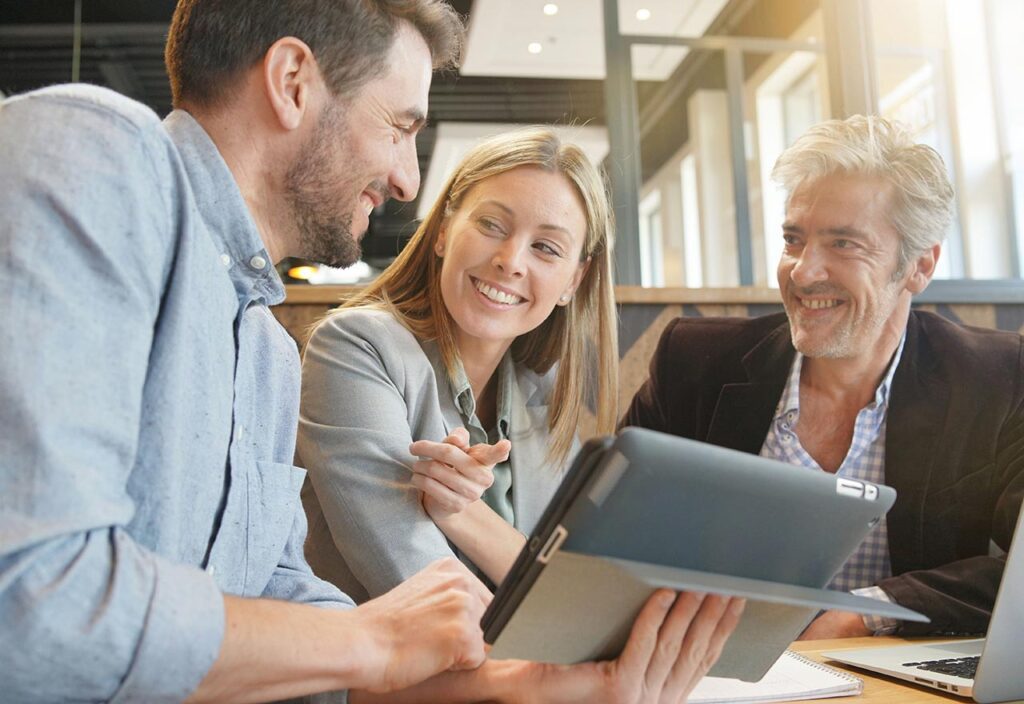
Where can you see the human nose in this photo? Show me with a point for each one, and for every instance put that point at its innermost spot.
(509, 258)
(404, 179)
(809, 267)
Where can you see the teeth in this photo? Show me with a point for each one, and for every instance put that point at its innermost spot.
(819, 304)
(496, 295)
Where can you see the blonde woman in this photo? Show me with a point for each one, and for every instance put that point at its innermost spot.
(440, 405)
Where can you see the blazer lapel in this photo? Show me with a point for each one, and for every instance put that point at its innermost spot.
(450, 417)
(744, 410)
(533, 478)
(918, 407)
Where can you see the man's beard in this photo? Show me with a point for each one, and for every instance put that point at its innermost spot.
(322, 211)
(847, 336)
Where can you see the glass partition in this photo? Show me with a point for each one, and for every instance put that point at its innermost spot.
(712, 117)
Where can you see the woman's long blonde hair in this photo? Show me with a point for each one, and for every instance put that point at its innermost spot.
(410, 288)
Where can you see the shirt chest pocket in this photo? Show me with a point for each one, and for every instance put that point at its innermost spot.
(272, 498)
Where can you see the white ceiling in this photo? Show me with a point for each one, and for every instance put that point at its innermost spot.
(454, 139)
(572, 40)
(572, 46)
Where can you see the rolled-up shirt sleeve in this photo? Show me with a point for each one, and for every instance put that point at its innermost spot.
(87, 234)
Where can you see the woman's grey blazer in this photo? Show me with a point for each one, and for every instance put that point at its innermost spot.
(369, 389)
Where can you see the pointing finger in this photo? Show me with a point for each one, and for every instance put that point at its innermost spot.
(491, 454)
(458, 437)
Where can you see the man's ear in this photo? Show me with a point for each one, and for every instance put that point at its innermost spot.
(290, 77)
(922, 269)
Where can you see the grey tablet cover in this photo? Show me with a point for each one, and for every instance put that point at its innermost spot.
(664, 511)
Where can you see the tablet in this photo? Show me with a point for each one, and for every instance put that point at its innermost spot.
(647, 510)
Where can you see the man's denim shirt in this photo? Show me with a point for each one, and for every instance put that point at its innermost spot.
(148, 404)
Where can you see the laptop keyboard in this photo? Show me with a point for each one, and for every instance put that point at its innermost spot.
(958, 667)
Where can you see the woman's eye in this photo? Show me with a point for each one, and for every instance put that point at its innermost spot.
(546, 248)
(489, 225)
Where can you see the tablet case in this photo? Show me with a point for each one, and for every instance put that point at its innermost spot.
(650, 510)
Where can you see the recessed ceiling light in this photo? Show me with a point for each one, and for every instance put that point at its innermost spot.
(534, 48)
(551, 9)
(643, 14)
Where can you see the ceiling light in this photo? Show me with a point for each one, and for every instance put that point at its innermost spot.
(551, 9)
(534, 48)
(643, 14)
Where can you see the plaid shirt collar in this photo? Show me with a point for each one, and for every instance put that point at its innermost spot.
(788, 410)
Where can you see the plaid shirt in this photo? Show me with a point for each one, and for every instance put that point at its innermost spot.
(864, 461)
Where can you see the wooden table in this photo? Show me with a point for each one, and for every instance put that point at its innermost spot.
(878, 689)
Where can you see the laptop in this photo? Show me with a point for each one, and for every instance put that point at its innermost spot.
(986, 669)
(645, 510)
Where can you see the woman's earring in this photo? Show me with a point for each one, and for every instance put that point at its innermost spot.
(564, 298)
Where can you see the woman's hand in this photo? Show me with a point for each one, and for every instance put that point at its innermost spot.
(452, 474)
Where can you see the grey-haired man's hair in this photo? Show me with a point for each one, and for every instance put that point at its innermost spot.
(922, 205)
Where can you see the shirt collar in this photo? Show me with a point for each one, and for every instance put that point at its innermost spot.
(506, 380)
(462, 393)
(225, 213)
(882, 393)
(789, 403)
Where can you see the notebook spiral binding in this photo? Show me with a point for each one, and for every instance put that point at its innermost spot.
(823, 667)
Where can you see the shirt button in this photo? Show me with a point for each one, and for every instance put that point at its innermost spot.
(225, 260)
(211, 570)
(238, 432)
(257, 262)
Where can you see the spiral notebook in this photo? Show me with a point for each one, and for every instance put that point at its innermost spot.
(792, 677)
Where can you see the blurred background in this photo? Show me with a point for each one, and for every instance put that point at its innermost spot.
(687, 104)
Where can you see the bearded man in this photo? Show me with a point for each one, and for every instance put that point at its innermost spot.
(854, 382)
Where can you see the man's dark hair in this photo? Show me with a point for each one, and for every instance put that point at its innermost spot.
(212, 41)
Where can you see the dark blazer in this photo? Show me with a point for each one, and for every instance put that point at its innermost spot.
(954, 448)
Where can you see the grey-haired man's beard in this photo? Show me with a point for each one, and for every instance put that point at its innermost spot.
(847, 337)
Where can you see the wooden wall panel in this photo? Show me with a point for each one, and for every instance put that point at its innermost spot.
(641, 323)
